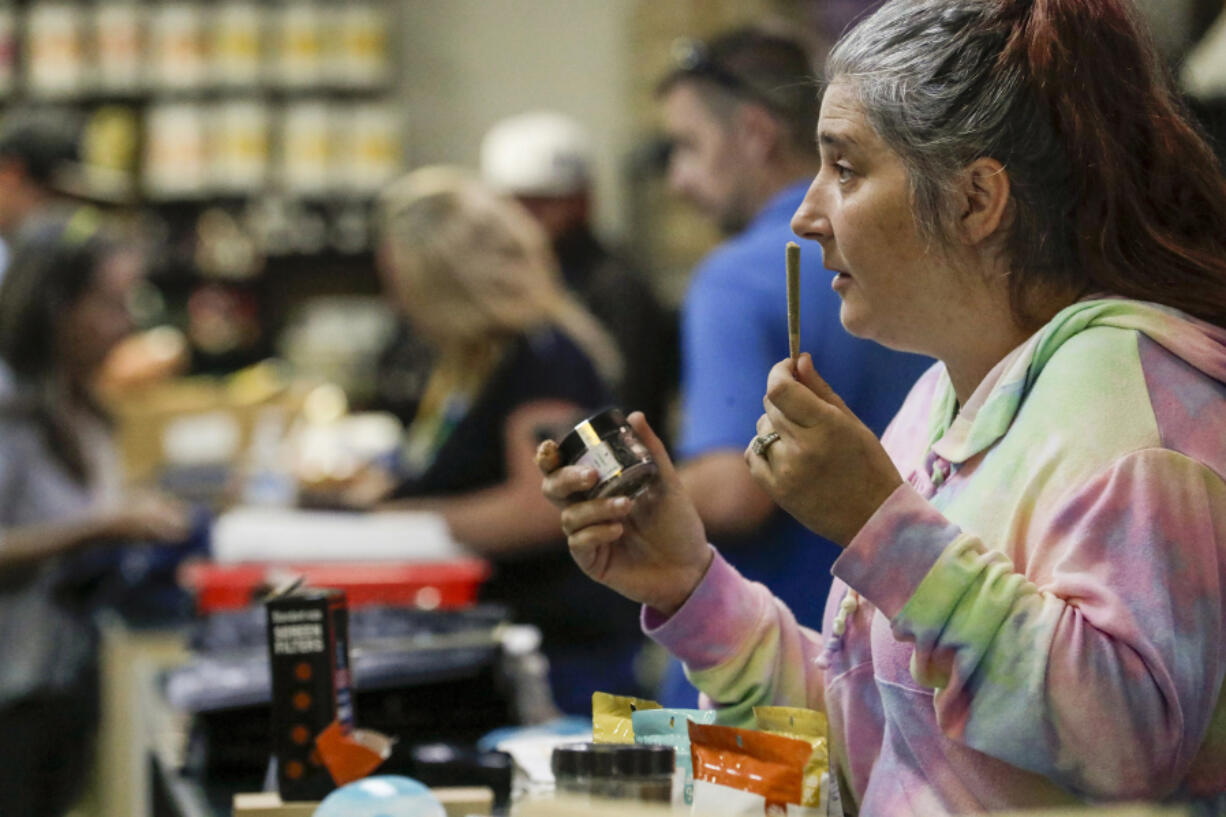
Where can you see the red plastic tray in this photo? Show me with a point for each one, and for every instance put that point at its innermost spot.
(431, 585)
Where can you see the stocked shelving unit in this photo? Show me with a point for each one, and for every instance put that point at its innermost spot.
(247, 137)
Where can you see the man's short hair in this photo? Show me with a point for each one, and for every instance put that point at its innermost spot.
(761, 64)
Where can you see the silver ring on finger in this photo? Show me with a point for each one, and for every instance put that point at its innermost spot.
(762, 442)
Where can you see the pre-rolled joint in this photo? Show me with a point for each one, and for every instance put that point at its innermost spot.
(793, 275)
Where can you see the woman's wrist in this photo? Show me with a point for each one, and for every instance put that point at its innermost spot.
(689, 578)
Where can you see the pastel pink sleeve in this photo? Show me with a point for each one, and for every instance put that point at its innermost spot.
(1105, 677)
(741, 646)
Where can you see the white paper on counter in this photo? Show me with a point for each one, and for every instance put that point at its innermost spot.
(533, 753)
(716, 800)
(258, 534)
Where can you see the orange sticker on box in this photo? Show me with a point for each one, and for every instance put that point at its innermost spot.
(351, 755)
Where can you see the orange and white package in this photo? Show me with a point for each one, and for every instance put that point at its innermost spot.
(743, 772)
(611, 717)
(810, 726)
(353, 754)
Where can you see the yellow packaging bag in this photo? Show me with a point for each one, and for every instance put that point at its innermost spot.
(611, 717)
(810, 726)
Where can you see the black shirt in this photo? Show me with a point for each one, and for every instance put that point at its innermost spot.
(543, 587)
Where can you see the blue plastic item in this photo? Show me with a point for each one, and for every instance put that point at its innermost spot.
(387, 795)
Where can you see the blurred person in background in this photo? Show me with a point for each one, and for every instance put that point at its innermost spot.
(42, 175)
(39, 167)
(515, 358)
(544, 160)
(63, 307)
(741, 115)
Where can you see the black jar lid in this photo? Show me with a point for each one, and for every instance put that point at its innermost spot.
(612, 760)
(644, 761)
(602, 422)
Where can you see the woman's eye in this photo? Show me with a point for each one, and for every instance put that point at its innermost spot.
(844, 173)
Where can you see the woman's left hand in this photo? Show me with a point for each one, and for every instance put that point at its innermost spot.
(827, 468)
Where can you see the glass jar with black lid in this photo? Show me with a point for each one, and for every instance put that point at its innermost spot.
(618, 771)
(607, 443)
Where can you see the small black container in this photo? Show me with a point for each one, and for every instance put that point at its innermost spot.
(606, 442)
(448, 764)
(622, 771)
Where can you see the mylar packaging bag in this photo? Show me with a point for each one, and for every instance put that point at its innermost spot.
(743, 772)
(671, 727)
(808, 725)
(611, 717)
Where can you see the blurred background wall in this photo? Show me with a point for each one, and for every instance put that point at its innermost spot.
(247, 138)
(468, 63)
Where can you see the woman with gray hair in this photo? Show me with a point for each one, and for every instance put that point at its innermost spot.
(1031, 605)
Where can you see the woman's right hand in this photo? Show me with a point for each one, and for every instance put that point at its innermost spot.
(652, 549)
(149, 516)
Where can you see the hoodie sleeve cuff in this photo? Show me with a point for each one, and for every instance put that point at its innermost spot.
(714, 621)
(893, 552)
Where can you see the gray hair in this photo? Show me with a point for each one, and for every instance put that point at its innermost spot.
(1113, 189)
(931, 79)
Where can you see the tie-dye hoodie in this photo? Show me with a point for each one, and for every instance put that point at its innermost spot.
(1039, 615)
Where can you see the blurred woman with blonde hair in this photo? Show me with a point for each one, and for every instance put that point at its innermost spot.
(514, 358)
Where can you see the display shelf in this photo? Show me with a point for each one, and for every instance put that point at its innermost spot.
(250, 138)
(196, 101)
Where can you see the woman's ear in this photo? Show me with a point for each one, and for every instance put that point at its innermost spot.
(986, 192)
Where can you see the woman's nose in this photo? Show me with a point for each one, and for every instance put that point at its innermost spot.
(810, 220)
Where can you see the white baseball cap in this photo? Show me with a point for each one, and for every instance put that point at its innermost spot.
(541, 153)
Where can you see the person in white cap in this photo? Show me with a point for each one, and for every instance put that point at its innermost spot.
(544, 159)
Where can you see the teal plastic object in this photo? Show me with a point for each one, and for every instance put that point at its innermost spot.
(387, 795)
(670, 727)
